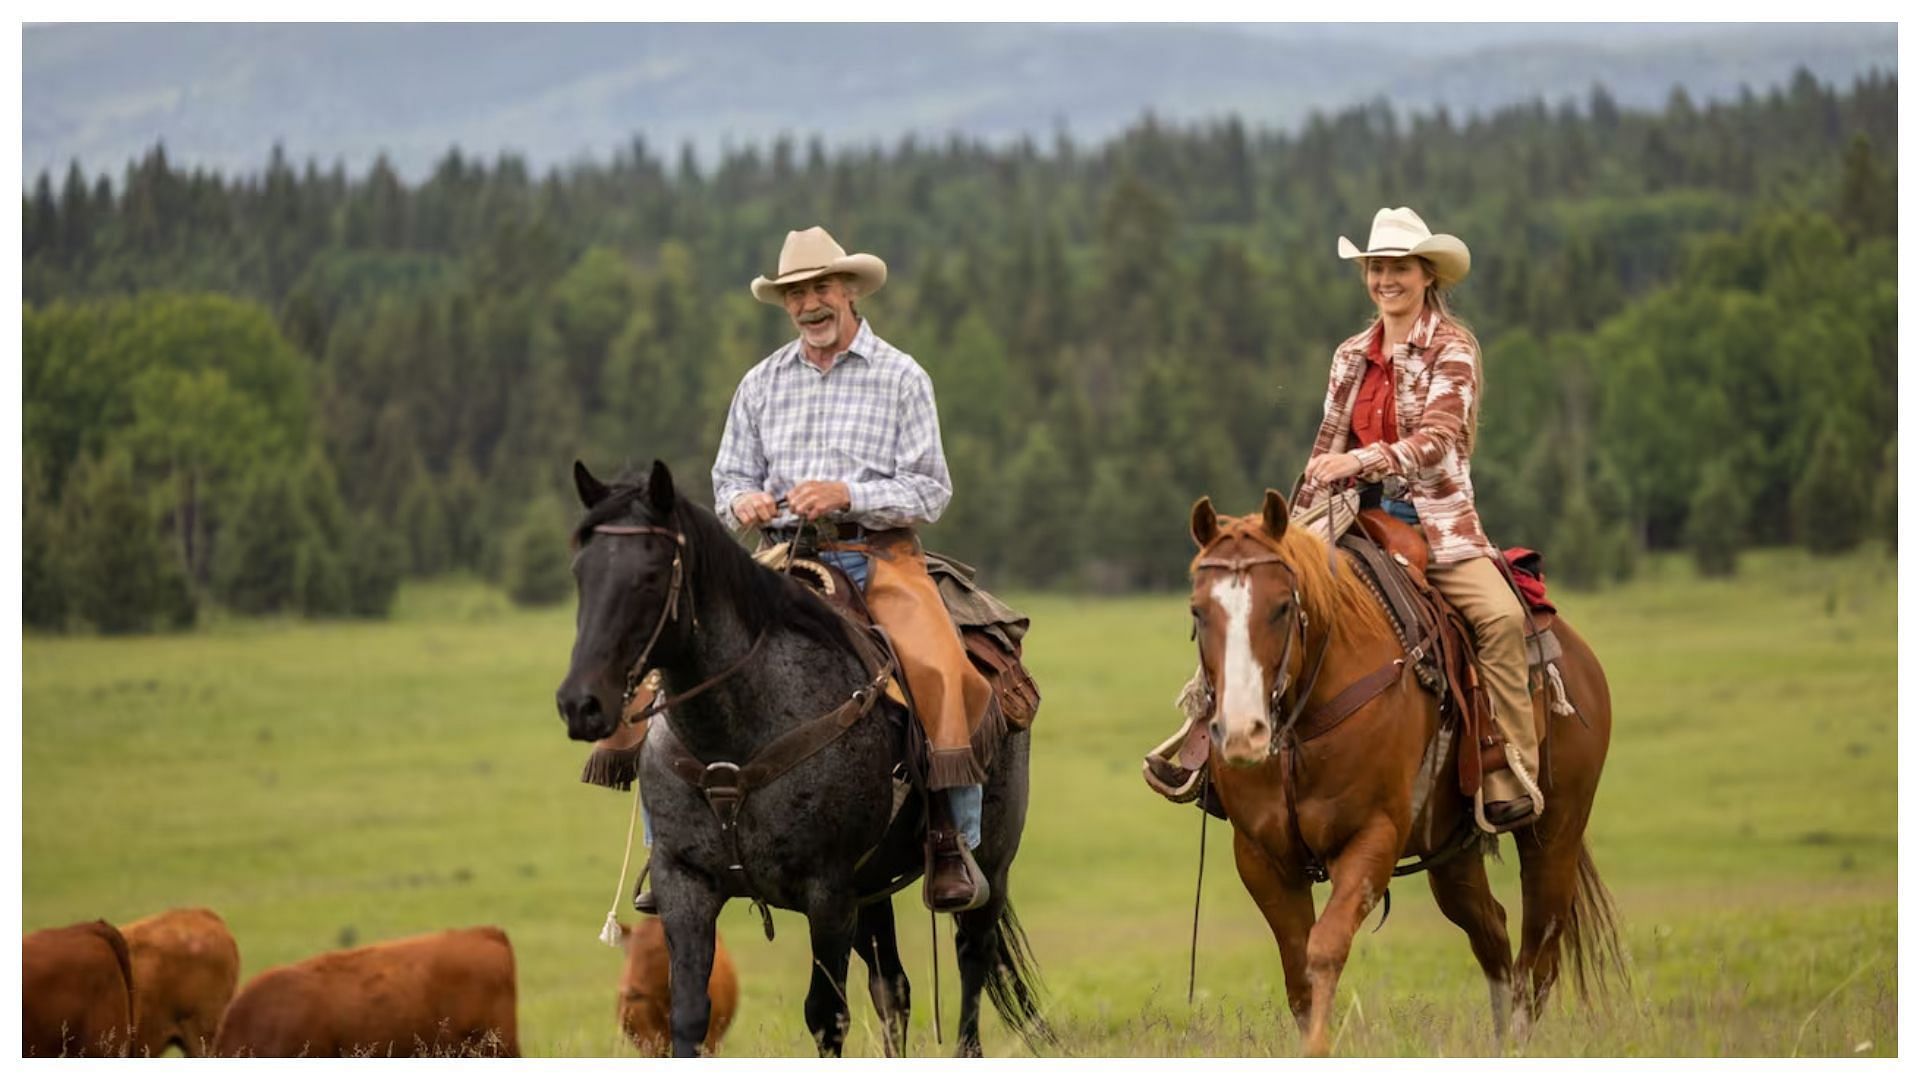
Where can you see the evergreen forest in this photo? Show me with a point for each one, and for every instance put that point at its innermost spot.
(287, 391)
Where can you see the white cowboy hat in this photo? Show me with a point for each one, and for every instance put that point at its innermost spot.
(1401, 232)
(811, 253)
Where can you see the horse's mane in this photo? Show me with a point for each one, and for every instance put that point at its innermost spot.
(760, 597)
(1333, 597)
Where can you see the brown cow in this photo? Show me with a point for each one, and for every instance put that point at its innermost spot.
(646, 1005)
(185, 966)
(76, 992)
(448, 993)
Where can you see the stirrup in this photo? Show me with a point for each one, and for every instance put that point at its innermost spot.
(1163, 772)
(643, 901)
(1495, 829)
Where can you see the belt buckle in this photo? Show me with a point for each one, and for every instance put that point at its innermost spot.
(1395, 487)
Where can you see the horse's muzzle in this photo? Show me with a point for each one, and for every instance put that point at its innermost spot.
(588, 719)
(1247, 744)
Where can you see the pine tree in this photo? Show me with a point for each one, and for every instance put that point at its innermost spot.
(375, 560)
(122, 577)
(1044, 502)
(1715, 529)
(44, 554)
(536, 556)
(1579, 549)
(1886, 499)
(422, 521)
(257, 558)
(1831, 501)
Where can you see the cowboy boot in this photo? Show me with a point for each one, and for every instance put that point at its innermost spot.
(643, 896)
(954, 882)
(1505, 814)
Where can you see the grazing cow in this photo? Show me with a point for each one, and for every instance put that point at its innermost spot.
(185, 966)
(76, 992)
(449, 993)
(646, 1005)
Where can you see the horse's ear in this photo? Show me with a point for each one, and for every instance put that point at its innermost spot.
(1204, 523)
(592, 491)
(1273, 514)
(660, 488)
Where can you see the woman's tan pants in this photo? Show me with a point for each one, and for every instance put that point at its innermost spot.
(1477, 588)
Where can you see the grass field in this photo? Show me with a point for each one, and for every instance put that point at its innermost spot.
(326, 784)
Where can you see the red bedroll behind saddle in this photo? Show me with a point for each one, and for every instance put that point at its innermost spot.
(1524, 567)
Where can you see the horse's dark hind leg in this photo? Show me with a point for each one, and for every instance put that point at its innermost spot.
(1460, 888)
(976, 945)
(688, 909)
(879, 949)
(830, 925)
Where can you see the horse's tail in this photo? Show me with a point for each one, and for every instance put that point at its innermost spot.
(1592, 938)
(1013, 983)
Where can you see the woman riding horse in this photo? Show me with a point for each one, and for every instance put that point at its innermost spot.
(1307, 728)
(1403, 403)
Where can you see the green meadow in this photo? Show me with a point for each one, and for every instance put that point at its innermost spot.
(328, 784)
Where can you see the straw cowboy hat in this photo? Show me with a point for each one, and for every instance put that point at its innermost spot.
(1401, 232)
(811, 253)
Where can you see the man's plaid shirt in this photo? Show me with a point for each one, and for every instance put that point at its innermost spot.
(868, 420)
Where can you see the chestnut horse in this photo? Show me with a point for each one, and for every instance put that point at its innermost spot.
(1275, 620)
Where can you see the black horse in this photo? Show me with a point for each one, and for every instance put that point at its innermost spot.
(762, 657)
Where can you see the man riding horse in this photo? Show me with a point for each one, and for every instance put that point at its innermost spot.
(840, 427)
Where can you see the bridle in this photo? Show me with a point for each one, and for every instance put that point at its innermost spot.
(1242, 567)
(669, 612)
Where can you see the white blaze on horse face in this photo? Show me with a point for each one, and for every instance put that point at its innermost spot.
(1243, 691)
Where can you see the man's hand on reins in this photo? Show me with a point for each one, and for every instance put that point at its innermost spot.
(754, 508)
(814, 499)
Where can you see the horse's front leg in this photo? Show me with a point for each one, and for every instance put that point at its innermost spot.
(879, 947)
(1360, 874)
(1285, 898)
(830, 923)
(689, 907)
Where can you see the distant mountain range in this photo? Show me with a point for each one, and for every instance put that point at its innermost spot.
(220, 95)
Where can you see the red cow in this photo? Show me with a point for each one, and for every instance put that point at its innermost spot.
(185, 966)
(646, 1005)
(449, 993)
(76, 992)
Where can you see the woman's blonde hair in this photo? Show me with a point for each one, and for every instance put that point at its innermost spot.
(1436, 301)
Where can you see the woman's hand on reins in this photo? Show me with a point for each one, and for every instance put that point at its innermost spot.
(1328, 468)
